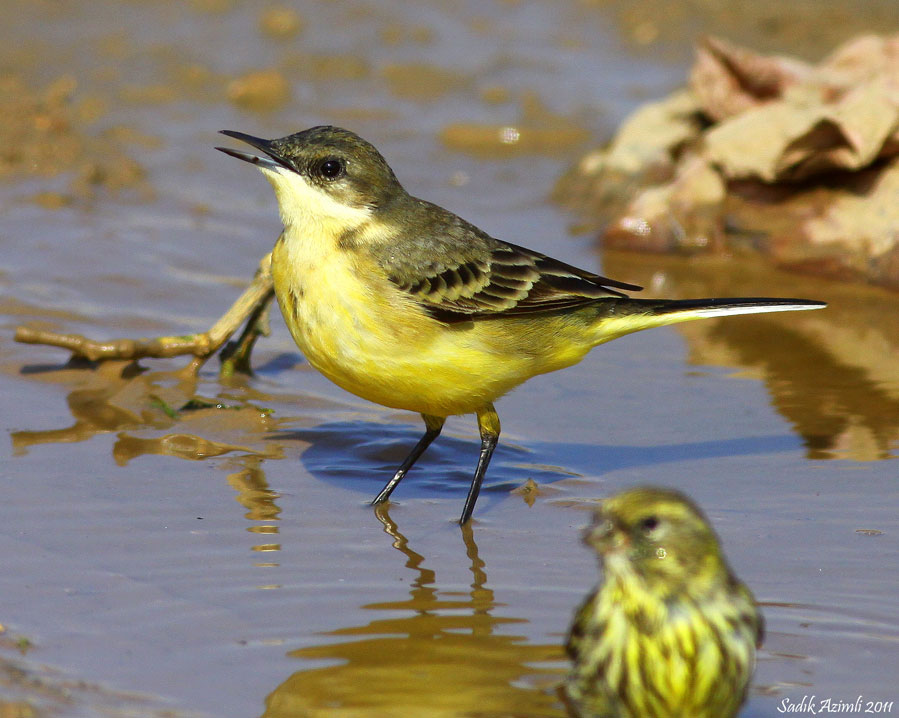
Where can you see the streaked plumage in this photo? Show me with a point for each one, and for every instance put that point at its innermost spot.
(671, 632)
(405, 304)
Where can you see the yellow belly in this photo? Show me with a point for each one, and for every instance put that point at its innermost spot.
(369, 338)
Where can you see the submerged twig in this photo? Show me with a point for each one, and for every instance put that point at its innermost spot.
(252, 305)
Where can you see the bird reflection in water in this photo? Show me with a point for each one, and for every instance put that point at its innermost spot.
(438, 653)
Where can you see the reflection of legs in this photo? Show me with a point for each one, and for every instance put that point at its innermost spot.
(433, 425)
(488, 423)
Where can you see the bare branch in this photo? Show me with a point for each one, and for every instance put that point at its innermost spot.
(251, 304)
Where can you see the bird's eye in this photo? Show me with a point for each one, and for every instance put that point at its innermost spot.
(648, 524)
(331, 168)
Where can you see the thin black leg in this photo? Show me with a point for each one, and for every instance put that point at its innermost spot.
(433, 426)
(488, 423)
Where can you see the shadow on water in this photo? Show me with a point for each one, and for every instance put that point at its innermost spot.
(362, 455)
(434, 653)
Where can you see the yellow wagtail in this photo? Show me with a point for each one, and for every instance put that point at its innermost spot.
(405, 304)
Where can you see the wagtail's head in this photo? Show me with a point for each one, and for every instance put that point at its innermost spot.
(322, 175)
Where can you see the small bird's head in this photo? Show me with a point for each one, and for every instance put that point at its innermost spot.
(323, 175)
(659, 536)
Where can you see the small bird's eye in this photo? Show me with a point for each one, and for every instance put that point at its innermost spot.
(331, 168)
(648, 524)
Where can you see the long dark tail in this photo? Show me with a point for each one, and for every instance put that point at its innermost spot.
(624, 316)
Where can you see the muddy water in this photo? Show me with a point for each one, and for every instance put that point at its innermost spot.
(224, 561)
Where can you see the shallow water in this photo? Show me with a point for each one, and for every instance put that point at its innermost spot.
(225, 562)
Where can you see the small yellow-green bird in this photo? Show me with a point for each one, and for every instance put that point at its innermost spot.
(405, 304)
(671, 632)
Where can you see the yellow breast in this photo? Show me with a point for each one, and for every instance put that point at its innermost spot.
(372, 339)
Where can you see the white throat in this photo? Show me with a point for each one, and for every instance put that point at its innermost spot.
(309, 209)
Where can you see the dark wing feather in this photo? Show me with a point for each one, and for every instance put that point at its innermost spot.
(459, 273)
(508, 280)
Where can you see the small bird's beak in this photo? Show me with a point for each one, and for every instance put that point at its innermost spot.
(273, 162)
(606, 536)
(600, 534)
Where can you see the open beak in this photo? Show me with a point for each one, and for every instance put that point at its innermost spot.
(273, 162)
